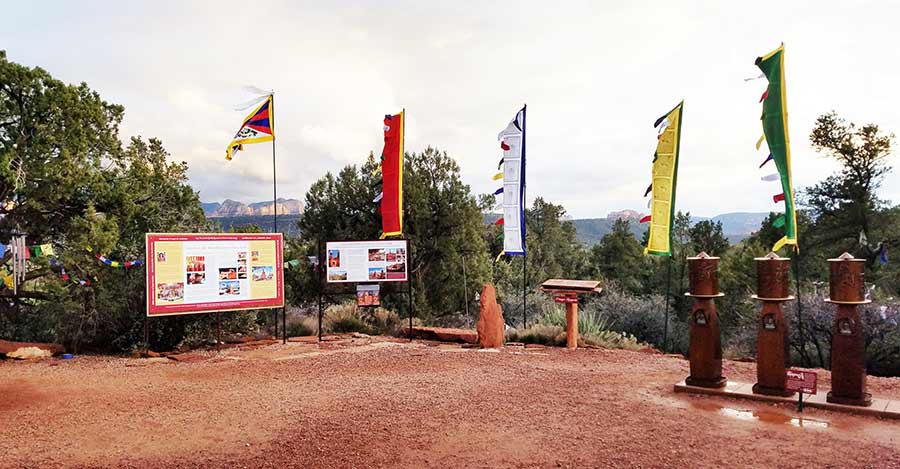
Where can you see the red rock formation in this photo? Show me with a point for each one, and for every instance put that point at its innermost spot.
(491, 328)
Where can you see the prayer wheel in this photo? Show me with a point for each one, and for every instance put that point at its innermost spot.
(848, 343)
(772, 356)
(706, 340)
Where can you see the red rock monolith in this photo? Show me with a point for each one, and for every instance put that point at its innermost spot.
(491, 327)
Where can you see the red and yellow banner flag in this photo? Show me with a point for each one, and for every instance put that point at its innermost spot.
(392, 176)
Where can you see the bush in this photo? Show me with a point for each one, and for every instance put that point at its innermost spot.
(543, 334)
(300, 329)
(593, 329)
(347, 317)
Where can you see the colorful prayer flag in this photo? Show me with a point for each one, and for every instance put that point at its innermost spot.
(258, 127)
(512, 143)
(665, 177)
(392, 176)
(775, 128)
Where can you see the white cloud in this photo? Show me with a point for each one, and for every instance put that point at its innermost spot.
(595, 76)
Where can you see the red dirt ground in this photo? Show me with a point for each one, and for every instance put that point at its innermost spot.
(364, 403)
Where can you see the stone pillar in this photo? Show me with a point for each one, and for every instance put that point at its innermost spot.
(848, 343)
(772, 355)
(706, 340)
(572, 324)
(491, 327)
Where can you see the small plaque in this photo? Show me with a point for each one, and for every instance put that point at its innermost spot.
(700, 317)
(801, 381)
(769, 322)
(845, 326)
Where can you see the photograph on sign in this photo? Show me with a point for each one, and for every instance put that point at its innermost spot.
(368, 295)
(366, 261)
(197, 273)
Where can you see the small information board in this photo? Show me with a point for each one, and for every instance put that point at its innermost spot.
(801, 381)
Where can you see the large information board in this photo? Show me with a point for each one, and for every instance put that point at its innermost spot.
(366, 261)
(196, 273)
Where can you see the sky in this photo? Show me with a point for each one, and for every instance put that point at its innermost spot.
(594, 74)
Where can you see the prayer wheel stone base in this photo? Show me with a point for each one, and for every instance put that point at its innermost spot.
(772, 354)
(848, 343)
(706, 341)
(760, 389)
(864, 401)
(706, 383)
(706, 346)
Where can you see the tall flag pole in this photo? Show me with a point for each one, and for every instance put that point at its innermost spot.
(391, 196)
(775, 133)
(512, 143)
(662, 196)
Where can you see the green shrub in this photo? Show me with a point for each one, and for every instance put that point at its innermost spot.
(347, 317)
(544, 334)
(299, 329)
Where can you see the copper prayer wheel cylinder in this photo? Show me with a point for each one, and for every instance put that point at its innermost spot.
(772, 277)
(848, 343)
(706, 338)
(704, 275)
(772, 354)
(848, 280)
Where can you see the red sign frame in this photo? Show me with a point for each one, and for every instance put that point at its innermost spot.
(805, 382)
(154, 308)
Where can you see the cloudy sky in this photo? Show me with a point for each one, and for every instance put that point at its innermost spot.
(595, 75)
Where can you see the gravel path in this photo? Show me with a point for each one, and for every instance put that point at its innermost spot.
(364, 403)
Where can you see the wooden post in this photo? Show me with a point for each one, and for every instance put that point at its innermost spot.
(572, 325)
(772, 353)
(848, 344)
(706, 340)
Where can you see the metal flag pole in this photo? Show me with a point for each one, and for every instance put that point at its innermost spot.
(524, 229)
(274, 192)
(796, 260)
(465, 286)
(668, 294)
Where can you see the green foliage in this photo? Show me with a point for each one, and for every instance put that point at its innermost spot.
(846, 203)
(619, 257)
(593, 329)
(347, 317)
(442, 219)
(73, 185)
(707, 236)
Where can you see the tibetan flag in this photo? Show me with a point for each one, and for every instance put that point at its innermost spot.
(775, 129)
(258, 127)
(512, 143)
(392, 176)
(665, 176)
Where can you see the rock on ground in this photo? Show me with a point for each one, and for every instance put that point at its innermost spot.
(491, 326)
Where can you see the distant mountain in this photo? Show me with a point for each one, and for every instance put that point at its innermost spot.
(233, 208)
(626, 214)
(209, 207)
(736, 226)
(287, 224)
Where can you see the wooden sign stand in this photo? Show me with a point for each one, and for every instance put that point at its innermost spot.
(566, 291)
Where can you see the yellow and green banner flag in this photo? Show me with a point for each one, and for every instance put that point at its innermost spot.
(662, 187)
(775, 133)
